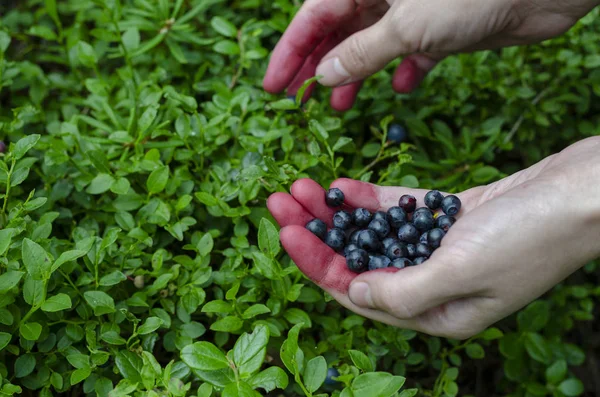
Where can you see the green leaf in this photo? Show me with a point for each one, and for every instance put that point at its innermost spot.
(57, 303)
(205, 245)
(4, 41)
(5, 239)
(409, 393)
(204, 356)
(223, 26)
(30, 331)
(315, 373)
(24, 365)
(65, 257)
(227, 47)
(50, 6)
(113, 338)
(361, 361)
(571, 387)
(157, 181)
(86, 54)
(376, 384)
(130, 365)
(101, 302)
(4, 339)
(318, 130)
(23, 145)
(341, 142)
(100, 184)
(266, 266)
(238, 389)
(270, 379)
(36, 259)
(268, 238)
(250, 349)
(556, 372)
(9, 280)
(35, 204)
(475, 351)
(491, 334)
(227, 324)
(537, 348)
(485, 174)
(131, 38)
(150, 325)
(80, 375)
(291, 355)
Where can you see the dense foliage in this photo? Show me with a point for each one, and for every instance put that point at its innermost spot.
(136, 253)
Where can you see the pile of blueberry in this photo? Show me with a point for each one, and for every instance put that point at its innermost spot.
(403, 236)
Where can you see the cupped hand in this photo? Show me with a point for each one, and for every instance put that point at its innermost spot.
(513, 240)
(346, 41)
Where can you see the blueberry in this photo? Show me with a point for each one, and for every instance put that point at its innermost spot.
(357, 261)
(317, 227)
(397, 217)
(382, 228)
(423, 238)
(419, 260)
(379, 262)
(408, 233)
(388, 241)
(423, 221)
(349, 248)
(423, 250)
(353, 239)
(361, 217)
(334, 197)
(396, 133)
(408, 203)
(396, 250)
(332, 373)
(368, 240)
(451, 205)
(2, 147)
(335, 239)
(434, 238)
(412, 250)
(382, 216)
(444, 222)
(401, 263)
(433, 199)
(342, 220)
(422, 210)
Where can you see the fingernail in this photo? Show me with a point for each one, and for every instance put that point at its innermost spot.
(333, 73)
(360, 295)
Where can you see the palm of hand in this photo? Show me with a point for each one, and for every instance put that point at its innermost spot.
(508, 247)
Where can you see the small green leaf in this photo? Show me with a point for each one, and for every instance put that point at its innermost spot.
(86, 54)
(4, 339)
(80, 375)
(270, 379)
(475, 351)
(226, 47)
(30, 331)
(9, 280)
(57, 303)
(100, 184)
(268, 238)
(113, 278)
(36, 259)
(205, 245)
(23, 145)
(361, 361)
(204, 356)
(537, 348)
(250, 349)
(157, 181)
(150, 325)
(24, 365)
(223, 26)
(571, 387)
(556, 372)
(227, 324)
(101, 302)
(376, 384)
(5, 239)
(315, 373)
(65, 257)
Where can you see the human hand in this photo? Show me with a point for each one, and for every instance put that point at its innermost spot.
(513, 241)
(346, 41)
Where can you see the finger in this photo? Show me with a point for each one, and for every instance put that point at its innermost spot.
(312, 197)
(413, 70)
(287, 211)
(342, 98)
(315, 20)
(361, 55)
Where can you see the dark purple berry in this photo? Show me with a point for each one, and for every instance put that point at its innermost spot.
(382, 228)
(379, 262)
(433, 199)
(451, 205)
(388, 241)
(423, 238)
(419, 260)
(361, 217)
(397, 217)
(423, 221)
(408, 203)
(317, 227)
(335, 239)
(396, 133)
(422, 210)
(401, 263)
(342, 220)
(423, 250)
(357, 261)
(2, 147)
(412, 250)
(408, 233)
(353, 239)
(368, 240)
(334, 197)
(444, 222)
(382, 216)
(349, 248)
(396, 250)
(434, 238)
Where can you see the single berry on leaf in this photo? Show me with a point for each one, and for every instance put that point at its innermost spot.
(342, 219)
(412, 250)
(361, 217)
(434, 238)
(444, 222)
(334, 197)
(401, 263)
(408, 203)
(382, 228)
(396, 133)
(368, 240)
(451, 205)
(396, 250)
(419, 260)
(317, 227)
(349, 248)
(357, 261)
(408, 233)
(433, 199)
(423, 250)
(397, 217)
(335, 239)
(379, 262)
(423, 221)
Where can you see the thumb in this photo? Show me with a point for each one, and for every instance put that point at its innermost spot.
(407, 292)
(360, 55)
